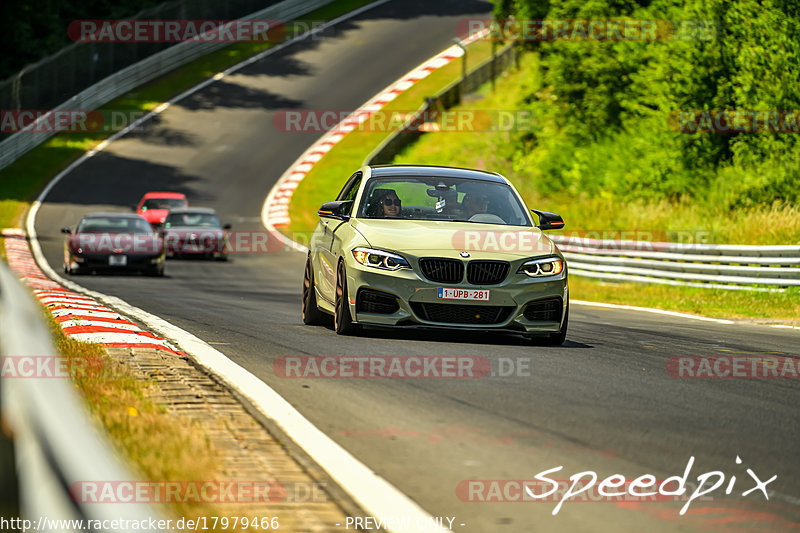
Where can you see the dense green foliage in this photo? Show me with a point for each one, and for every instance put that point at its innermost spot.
(603, 107)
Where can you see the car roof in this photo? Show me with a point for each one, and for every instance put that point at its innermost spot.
(435, 171)
(157, 194)
(192, 211)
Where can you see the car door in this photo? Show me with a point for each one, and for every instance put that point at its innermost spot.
(329, 243)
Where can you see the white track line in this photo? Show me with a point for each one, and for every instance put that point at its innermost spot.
(652, 310)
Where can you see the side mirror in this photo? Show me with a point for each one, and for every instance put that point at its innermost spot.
(226, 226)
(339, 210)
(134, 208)
(68, 231)
(548, 220)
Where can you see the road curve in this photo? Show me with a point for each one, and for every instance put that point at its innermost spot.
(603, 402)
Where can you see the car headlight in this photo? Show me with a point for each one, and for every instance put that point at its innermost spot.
(379, 259)
(536, 268)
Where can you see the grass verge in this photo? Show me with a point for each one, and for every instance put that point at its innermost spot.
(23, 179)
(696, 221)
(718, 303)
(158, 445)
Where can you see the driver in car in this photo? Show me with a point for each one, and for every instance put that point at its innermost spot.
(475, 204)
(391, 205)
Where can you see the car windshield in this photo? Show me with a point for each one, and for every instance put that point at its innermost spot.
(193, 220)
(114, 225)
(433, 198)
(163, 203)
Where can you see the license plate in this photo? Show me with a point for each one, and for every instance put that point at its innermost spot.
(117, 260)
(448, 293)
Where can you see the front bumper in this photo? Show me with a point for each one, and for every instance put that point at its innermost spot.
(100, 262)
(519, 304)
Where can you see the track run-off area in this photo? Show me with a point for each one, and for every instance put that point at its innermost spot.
(606, 401)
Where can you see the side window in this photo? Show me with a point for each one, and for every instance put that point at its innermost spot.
(351, 189)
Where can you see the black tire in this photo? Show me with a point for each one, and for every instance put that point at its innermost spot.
(310, 312)
(342, 320)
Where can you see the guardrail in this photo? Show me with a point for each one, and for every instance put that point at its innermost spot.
(698, 265)
(137, 74)
(56, 444)
(446, 98)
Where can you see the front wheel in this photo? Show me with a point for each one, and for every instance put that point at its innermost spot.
(311, 314)
(342, 320)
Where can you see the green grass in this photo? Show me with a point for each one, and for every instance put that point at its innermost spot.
(695, 221)
(328, 176)
(720, 303)
(158, 445)
(22, 180)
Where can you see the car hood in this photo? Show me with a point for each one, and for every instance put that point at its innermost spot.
(448, 239)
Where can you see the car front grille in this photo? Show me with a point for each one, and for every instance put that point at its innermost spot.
(548, 310)
(487, 272)
(442, 270)
(461, 314)
(371, 301)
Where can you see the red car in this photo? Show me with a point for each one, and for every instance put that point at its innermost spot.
(154, 206)
(113, 242)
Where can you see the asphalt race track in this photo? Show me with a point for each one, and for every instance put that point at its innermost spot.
(602, 402)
